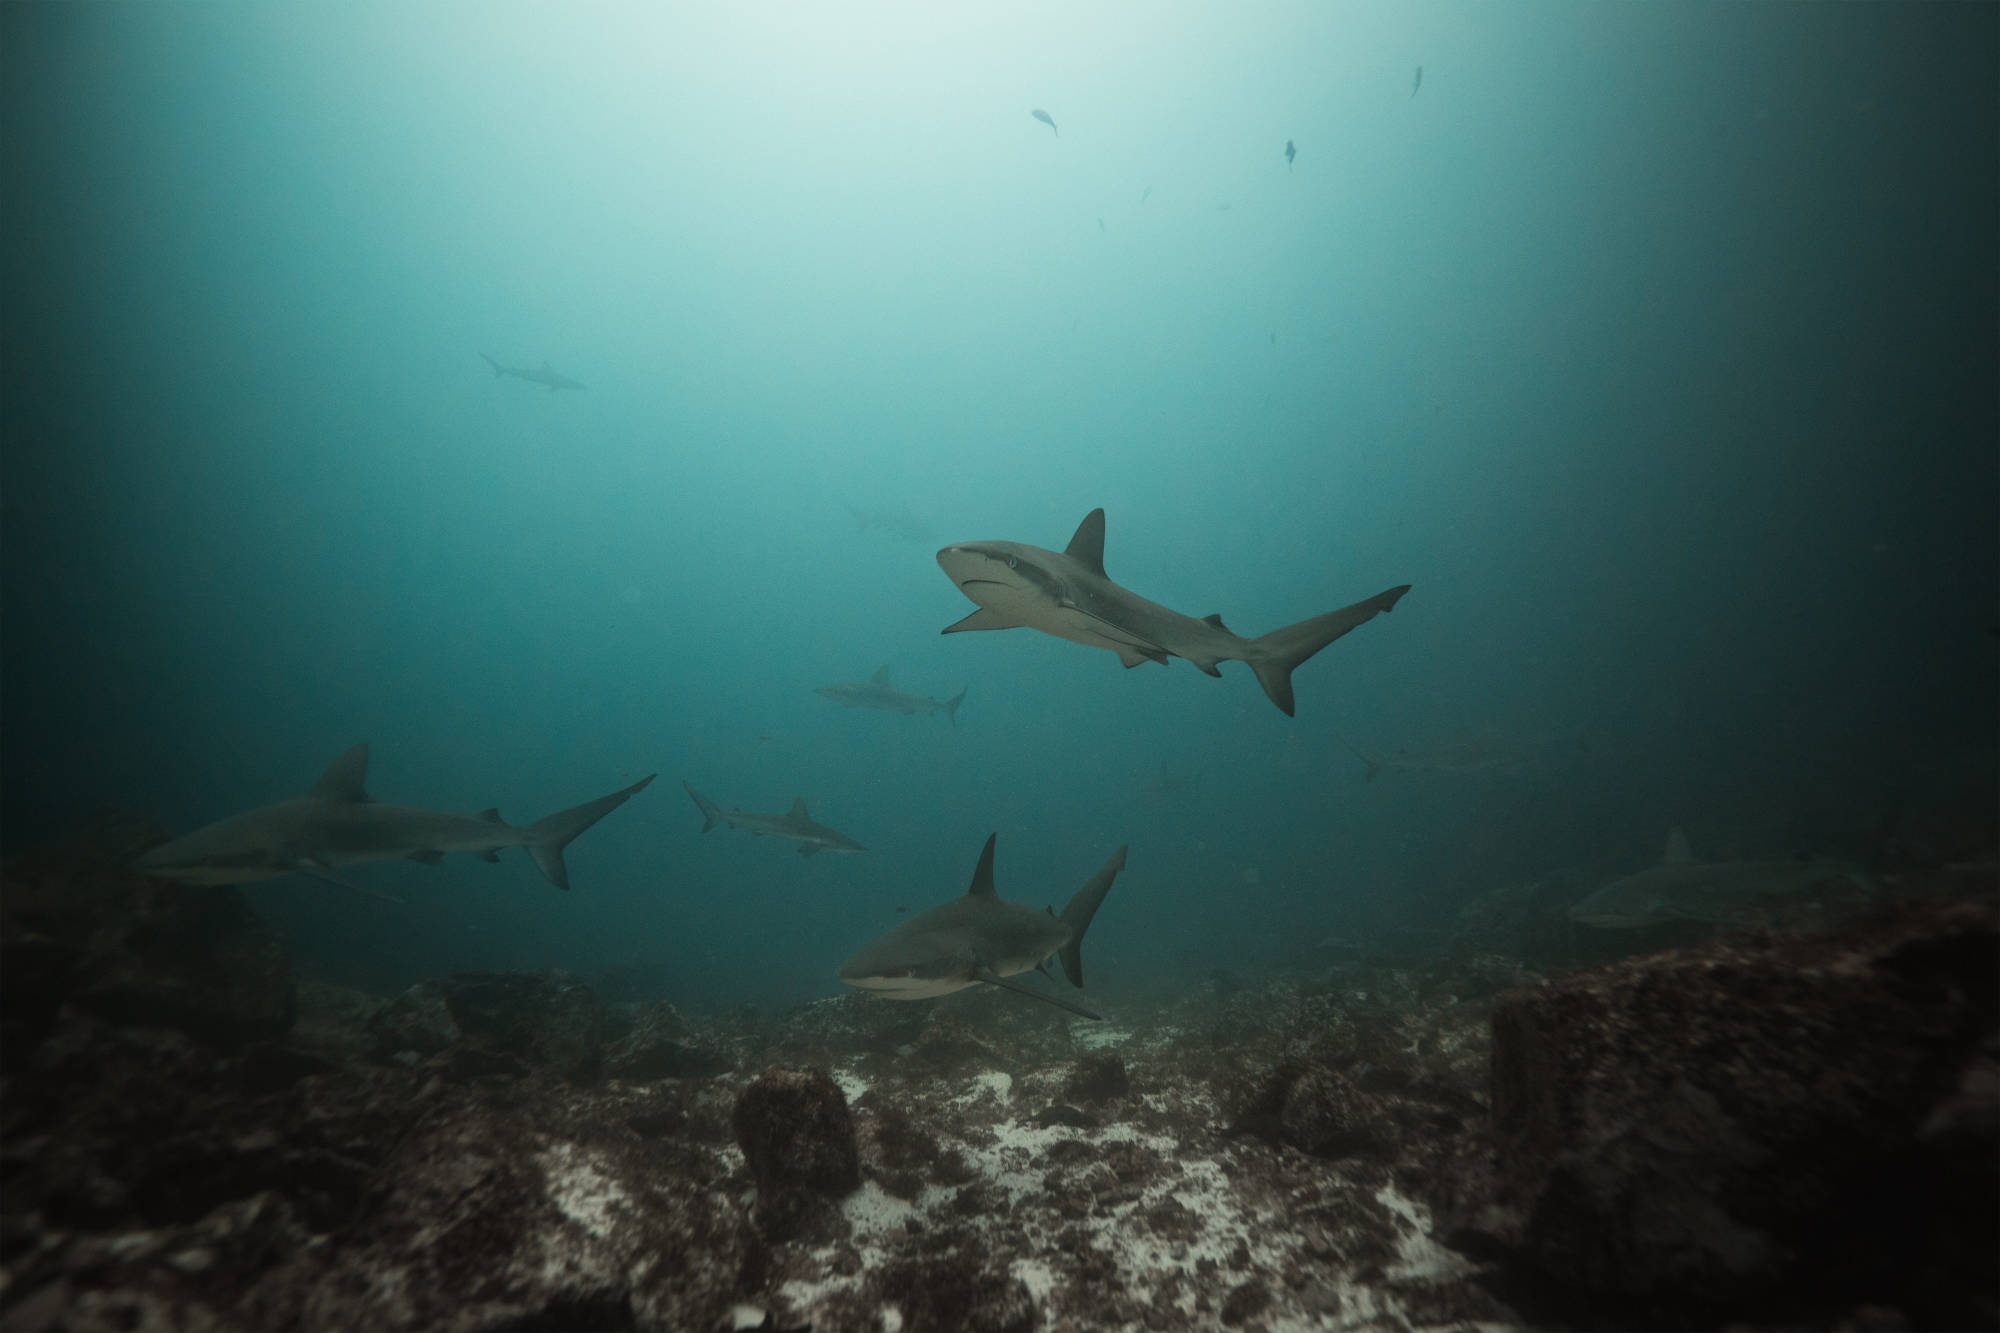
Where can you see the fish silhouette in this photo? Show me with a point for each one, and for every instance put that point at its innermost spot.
(1290, 153)
(1046, 119)
(1418, 82)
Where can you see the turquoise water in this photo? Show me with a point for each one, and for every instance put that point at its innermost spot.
(1654, 345)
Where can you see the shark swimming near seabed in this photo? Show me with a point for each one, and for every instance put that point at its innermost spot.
(877, 692)
(1067, 593)
(536, 374)
(795, 825)
(1725, 893)
(978, 939)
(339, 824)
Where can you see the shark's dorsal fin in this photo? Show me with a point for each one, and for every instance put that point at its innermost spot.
(982, 875)
(799, 808)
(1215, 620)
(1087, 546)
(346, 777)
(491, 814)
(881, 677)
(1678, 851)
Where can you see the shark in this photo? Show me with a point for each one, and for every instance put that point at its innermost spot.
(1460, 757)
(1067, 593)
(795, 825)
(977, 939)
(338, 824)
(877, 692)
(538, 374)
(1682, 888)
(902, 524)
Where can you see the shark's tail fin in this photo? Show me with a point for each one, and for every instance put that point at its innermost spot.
(498, 369)
(555, 832)
(711, 813)
(1276, 655)
(1373, 766)
(951, 706)
(1079, 912)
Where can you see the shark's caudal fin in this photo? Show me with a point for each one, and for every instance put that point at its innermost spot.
(1276, 655)
(1079, 912)
(498, 369)
(951, 706)
(557, 831)
(710, 811)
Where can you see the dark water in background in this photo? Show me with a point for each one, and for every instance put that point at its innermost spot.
(1655, 345)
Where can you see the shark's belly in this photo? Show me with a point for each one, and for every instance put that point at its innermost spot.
(910, 988)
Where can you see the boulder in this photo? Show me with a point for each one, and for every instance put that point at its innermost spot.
(1705, 1133)
(798, 1138)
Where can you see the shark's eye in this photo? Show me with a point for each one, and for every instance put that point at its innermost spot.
(1013, 562)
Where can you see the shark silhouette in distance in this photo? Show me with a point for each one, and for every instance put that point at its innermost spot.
(877, 692)
(1046, 119)
(978, 939)
(1067, 593)
(538, 374)
(338, 824)
(1726, 893)
(900, 524)
(1463, 757)
(795, 825)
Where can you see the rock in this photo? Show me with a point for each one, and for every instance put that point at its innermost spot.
(662, 1044)
(798, 1138)
(497, 1025)
(1097, 1077)
(1245, 1302)
(546, 1018)
(506, 1215)
(1682, 1136)
(953, 1291)
(1310, 1105)
(416, 1022)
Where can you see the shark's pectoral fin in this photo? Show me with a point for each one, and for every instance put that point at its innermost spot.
(1132, 656)
(429, 858)
(984, 618)
(319, 870)
(1132, 648)
(991, 978)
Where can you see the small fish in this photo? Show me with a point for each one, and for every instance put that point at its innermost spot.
(1100, 224)
(1291, 151)
(1418, 82)
(1046, 119)
(1142, 195)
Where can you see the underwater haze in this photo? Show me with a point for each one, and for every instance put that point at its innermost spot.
(1654, 346)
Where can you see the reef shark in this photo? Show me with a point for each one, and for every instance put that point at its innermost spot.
(1459, 757)
(539, 374)
(1067, 593)
(901, 524)
(795, 825)
(339, 824)
(977, 939)
(1681, 888)
(877, 692)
